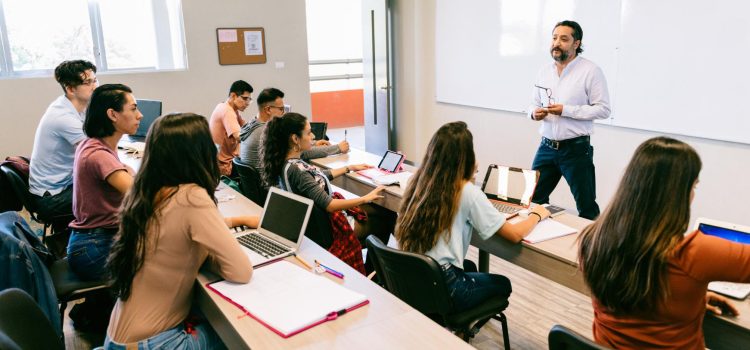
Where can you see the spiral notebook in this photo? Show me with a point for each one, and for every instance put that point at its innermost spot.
(288, 299)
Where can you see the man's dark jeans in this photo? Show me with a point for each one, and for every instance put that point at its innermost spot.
(573, 160)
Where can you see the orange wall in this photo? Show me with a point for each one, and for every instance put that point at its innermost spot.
(341, 109)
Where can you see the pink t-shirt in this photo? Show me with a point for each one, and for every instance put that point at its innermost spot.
(224, 122)
(95, 202)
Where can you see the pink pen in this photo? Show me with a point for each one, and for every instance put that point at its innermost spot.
(330, 270)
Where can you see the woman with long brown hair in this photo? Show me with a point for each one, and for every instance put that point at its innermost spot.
(169, 226)
(648, 279)
(440, 209)
(284, 140)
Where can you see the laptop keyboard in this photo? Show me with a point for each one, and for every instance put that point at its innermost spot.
(504, 208)
(262, 246)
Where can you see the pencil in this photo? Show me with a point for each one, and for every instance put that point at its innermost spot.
(303, 262)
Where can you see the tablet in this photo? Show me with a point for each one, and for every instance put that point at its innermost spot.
(391, 161)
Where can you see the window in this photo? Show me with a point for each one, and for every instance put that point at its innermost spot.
(115, 35)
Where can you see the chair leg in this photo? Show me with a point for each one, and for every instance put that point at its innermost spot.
(504, 322)
(63, 306)
(44, 232)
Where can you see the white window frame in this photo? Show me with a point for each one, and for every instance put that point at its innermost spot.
(163, 44)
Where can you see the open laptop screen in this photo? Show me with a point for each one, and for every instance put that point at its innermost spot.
(513, 185)
(151, 109)
(726, 233)
(284, 216)
(319, 129)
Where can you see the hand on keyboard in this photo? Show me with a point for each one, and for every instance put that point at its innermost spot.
(720, 305)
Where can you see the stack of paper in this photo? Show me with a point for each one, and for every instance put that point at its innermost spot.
(391, 179)
(288, 299)
(136, 148)
(548, 229)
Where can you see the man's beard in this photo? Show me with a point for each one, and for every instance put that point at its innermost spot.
(563, 55)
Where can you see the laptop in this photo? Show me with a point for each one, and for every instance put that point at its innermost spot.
(319, 129)
(282, 227)
(389, 164)
(509, 189)
(151, 109)
(734, 233)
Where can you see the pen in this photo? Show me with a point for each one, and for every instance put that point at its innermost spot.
(345, 130)
(335, 314)
(303, 262)
(330, 270)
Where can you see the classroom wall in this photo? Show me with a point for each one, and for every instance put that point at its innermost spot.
(197, 89)
(509, 138)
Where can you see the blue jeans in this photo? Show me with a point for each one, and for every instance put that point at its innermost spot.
(575, 162)
(202, 337)
(87, 254)
(468, 289)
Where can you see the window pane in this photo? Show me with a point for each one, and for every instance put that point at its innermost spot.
(128, 32)
(44, 33)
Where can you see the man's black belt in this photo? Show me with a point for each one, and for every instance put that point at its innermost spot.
(556, 145)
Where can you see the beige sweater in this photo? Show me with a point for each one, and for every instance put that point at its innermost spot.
(191, 229)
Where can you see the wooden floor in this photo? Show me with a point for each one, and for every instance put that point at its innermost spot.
(535, 306)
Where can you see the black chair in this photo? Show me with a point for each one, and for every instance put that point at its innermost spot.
(418, 280)
(69, 287)
(20, 187)
(562, 338)
(250, 182)
(23, 325)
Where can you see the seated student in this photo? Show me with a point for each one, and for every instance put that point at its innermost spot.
(648, 280)
(58, 134)
(284, 140)
(271, 105)
(226, 121)
(169, 227)
(442, 206)
(100, 180)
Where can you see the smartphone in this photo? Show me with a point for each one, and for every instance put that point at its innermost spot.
(554, 210)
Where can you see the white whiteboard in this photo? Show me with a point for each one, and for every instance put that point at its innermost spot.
(685, 68)
(672, 66)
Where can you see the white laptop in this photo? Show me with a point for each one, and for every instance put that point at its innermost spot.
(732, 232)
(509, 189)
(281, 228)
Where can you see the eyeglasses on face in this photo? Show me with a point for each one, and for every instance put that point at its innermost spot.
(281, 108)
(247, 98)
(89, 82)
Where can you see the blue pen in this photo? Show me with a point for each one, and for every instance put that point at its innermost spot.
(330, 270)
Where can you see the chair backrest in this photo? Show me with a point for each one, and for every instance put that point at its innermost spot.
(250, 183)
(414, 278)
(562, 338)
(24, 323)
(20, 187)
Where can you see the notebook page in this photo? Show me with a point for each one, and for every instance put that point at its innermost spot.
(549, 229)
(287, 297)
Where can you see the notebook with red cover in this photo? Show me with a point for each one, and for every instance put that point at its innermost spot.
(289, 299)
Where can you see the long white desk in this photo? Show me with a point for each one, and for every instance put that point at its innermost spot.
(385, 323)
(554, 259)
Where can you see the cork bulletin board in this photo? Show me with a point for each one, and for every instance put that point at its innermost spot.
(241, 45)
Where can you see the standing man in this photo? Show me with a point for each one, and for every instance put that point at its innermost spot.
(59, 133)
(568, 95)
(225, 124)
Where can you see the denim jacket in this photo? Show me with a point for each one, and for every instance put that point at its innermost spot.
(20, 267)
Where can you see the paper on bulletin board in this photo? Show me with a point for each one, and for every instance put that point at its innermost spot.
(227, 35)
(253, 43)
